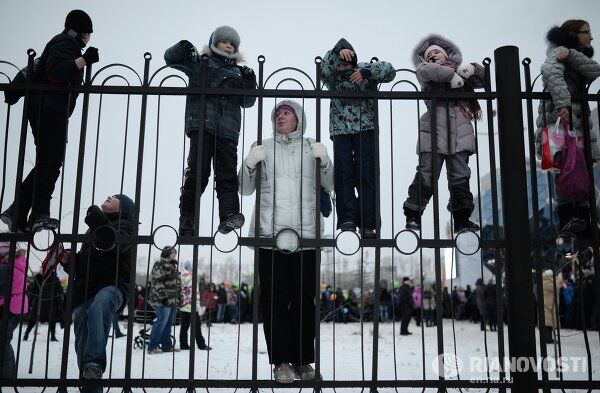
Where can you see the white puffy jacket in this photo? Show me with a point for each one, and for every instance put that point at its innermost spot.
(288, 187)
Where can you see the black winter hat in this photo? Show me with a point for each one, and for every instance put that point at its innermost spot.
(79, 21)
(127, 206)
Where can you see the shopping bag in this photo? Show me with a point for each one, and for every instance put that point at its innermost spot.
(553, 140)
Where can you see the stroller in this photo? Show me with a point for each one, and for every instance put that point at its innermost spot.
(143, 339)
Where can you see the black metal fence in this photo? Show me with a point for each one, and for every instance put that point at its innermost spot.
(516, 244)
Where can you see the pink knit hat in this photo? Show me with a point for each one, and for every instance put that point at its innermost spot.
(432, 48)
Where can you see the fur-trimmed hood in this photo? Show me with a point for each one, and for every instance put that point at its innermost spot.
(237, 57)
(450, 47)
(556, 37)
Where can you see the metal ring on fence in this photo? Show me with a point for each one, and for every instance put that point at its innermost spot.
(467, 242)
(407, 242)
(43, 231)
(164, 229)
(104, 247)
(347, 242)
(225, 240)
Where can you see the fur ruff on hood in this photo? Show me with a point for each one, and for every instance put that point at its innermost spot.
(454, 53)
(556, 37)
(237, 57)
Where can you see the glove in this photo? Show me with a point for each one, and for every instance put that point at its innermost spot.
(90, 56)
(366, 73)
(320, 151)
(466, 71)
(95, 217)
(457, 81)
(247, 72)
(187, 46)
(255, 155)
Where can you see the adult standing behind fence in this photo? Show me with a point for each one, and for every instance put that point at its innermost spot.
(61, 63)
(100, 281)
(46, 304)
(566, 72)
(17, 304)
(186, 312)
(288, 191)
(165, 299)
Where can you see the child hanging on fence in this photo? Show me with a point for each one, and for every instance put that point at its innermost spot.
(438, 67)
(352, 129)
(222, 118)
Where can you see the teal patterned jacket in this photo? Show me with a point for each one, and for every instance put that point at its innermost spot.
(351, 116)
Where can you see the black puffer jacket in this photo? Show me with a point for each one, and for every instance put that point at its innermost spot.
(106, 268)
(57, 67)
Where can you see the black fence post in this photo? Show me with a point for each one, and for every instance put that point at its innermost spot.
(521, 335)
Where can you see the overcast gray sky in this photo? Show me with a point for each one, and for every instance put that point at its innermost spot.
(288, 34)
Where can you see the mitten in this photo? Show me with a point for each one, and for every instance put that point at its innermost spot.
(466, 71)
(255, 155)
(457, 81)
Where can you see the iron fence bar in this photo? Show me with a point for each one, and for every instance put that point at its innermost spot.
(377, 278)
(255, 385)
(12, 248)
(436, 235)
(7, 295)
(75, 227)
(317, 288)
(197, 197)
(593, 212)
(136, 215)
(265, 93)
(480, 216)
(536, 217)
(516, 219)
(270, 384)
(264, 241)
(595, 233)
(499, 260)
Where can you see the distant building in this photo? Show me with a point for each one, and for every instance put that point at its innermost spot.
(468, 268)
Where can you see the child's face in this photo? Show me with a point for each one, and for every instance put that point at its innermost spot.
(344, 66)
(112, 204)
(436, 56)
(285, 121)
(225, 46)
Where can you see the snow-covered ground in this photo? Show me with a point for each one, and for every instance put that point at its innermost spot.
(347, 357)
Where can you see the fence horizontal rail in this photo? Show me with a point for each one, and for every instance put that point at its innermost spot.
(266, 93)
(265, 384)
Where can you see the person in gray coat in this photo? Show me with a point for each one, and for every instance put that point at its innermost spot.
(288, 192)
(480, 301)
(438, 67)
(568, 68)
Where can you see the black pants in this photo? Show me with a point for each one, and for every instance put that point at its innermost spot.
(287, 299)
(50, 137)
(186, 320)
(51, 328)
(458, 172)
(406, 316)
(223, 153)
(354, 165)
